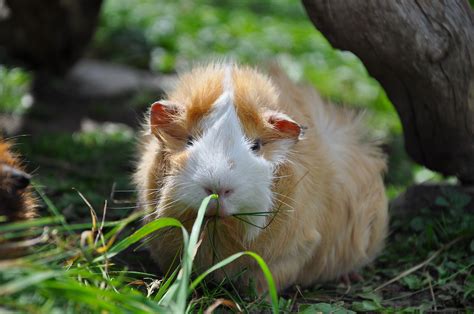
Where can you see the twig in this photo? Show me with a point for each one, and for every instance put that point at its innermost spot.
(92, 211)
(432, 292)
(415, 268)
(101, 227)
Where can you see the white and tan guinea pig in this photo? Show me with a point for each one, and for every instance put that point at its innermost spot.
(311, 203)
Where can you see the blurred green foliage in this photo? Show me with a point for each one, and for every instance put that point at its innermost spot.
(165, 35)
(14, 90)
(90, 161)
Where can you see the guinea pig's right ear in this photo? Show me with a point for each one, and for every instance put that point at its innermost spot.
(164, 119)
(283, 126)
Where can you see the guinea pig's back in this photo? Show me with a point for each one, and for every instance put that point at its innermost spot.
(356, 226)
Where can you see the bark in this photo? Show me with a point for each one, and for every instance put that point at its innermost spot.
(422, 53)
(47, 35)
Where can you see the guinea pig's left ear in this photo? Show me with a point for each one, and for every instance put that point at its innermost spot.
(284, 126)
(164, 116)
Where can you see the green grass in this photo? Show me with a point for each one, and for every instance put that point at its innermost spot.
(76, 273)
(427, 264)
(14, 90)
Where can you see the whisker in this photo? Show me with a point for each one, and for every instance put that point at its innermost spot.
(255, 213)
(280, 177)
(285, 196)
(284, 203)
(248, 222)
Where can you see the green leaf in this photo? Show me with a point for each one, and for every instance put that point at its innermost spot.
(460, 200)
(365, 306)
(441, 201)
(176, 296)
(215, 267)
(417, 224)
(412, 281)
(140, 234)
(25, 282)
(323, 308)
(26, 224)
(164, 286)
(266, 272)
(52, 209)
(372, 296)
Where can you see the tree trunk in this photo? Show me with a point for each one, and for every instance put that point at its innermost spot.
(47, 35)
(422, 53)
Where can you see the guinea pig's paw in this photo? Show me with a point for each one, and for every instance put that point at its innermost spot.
(351, 277)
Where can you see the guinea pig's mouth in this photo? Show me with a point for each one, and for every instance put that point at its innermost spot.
(217, 209)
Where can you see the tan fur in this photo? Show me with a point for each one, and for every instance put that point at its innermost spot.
(330, 217)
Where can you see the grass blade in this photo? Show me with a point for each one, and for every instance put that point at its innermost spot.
(53, 209)
(140, 234)
(176, 296)
(25, 282)
(26, 224)
(164, 287)
(266, 272)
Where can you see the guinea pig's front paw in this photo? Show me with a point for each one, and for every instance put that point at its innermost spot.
(351, 277)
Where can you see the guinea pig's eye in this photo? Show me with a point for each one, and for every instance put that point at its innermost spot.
(256, 145)
(190, 141)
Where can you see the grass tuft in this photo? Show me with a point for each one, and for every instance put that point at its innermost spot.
(71, 271)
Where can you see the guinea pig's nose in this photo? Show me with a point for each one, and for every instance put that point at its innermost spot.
(20, 180)
(222, 192)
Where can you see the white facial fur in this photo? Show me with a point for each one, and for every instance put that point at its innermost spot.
(221, 161)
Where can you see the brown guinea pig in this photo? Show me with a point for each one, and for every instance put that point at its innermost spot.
(297, 183)
(16, 201)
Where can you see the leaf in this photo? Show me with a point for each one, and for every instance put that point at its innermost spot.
(365, 306)
(164, 286)
(372, 296)
(30, 223)
(25, 282)
(52, 209)
(323, 308)
(266, 272)
(140, 234)
(176, 296)
(441, 201)
(457, 200)
(417, 224)
(413, 282)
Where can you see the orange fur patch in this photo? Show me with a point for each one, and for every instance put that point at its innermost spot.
(198, 90)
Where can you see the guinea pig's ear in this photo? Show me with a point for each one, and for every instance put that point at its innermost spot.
(284, 126)
(164, 119)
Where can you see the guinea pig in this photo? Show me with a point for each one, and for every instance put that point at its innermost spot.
(297, 182)
(16, 200)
